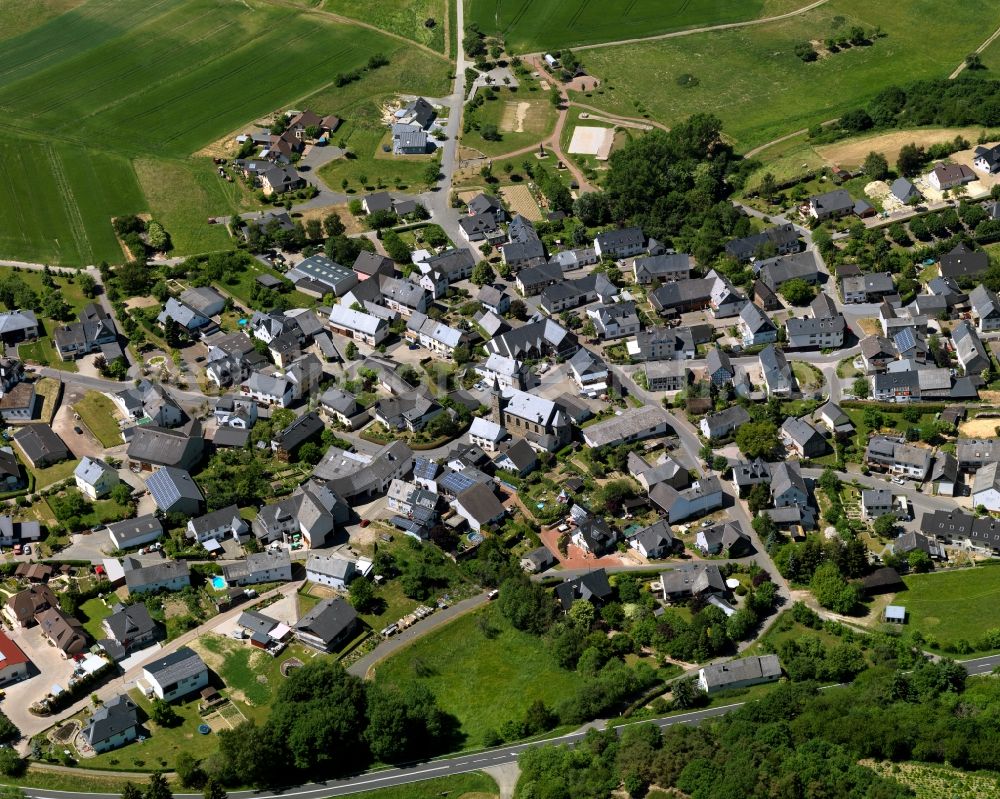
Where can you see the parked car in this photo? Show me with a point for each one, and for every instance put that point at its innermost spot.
(78, 430)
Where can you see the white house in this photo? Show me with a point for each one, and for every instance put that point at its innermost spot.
(357, 325)
(94, 478)
(486, 434)
(986, 487)
(330, 571)
(176, 675)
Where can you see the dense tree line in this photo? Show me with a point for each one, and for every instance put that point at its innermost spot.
(326, 722)
(674, 185)
(796, 742)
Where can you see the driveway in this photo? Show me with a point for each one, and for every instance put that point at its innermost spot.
(64, 425)
(89, 546)
(48, 669)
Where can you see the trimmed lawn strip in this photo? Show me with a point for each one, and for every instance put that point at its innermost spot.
(484, 680)
(50, 475)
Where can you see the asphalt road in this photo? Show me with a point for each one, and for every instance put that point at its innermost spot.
(453, 765)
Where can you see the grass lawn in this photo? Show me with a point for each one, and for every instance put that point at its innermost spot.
(483, 680)
(390, 606)
(553, 24)
(182, 195)
(97, 412)
(380, 170)
(53, 474)
(43, 353)
(952, 606)
(162, 744)
(474, 785)
(753, 81)
(406, 19)
(66, 285)
(522, 118)
(807, 376)
(48, 390)
(92, 613)
(104, 511)
(242, 284)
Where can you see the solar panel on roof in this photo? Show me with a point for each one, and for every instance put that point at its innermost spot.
(456, 483)
(905, 339)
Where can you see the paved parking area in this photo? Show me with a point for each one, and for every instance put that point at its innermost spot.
(48, 669)
(89, 546)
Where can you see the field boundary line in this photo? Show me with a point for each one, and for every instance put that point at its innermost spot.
(76, 224)
(724, 26)
(357, 22)
(961, 67)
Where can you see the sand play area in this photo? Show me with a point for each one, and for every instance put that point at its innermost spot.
(588, 140)
(514, 114)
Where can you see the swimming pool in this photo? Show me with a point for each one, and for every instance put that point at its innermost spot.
(218, 583)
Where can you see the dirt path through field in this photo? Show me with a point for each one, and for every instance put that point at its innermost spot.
(983, 46)
(852, 153)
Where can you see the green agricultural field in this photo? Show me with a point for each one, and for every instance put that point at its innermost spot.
(404, 19)
(19, 17)
(87, 91)
(57, 201)
(751, 78)
(949, 607)
(528, 25)
(484, 681)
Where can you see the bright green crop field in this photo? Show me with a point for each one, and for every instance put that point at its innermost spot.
(752, 80)
(87, 92)
(531, 25)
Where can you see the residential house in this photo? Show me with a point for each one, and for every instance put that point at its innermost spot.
(664, 343)
(533, 280)
(135, 532)
(741, 673)
(974, 453)
(944, 475)
(620, 243)
(454, 264)
(775, 272)
(723, 298)
(867, 287)
(14, 532)
(788, 488)
(13, 661)
(565, 295)
(19, 403)
(318, 276)
(149, 403)
(310, 513)
(532, 417)
(703, 496)
(494, 299)
(203, 299)
(783, 239)
(40, 446)
(719, 368)
(129, 628)
(341, 407)
(592, 587)
(589, 371)
(94, 478)
(593, 534)
(479, 506)
(969, 348)
(410, 411)
(94, 329)
(897, 457)
(112, 725)
(270, 566)
(831, 205)
(269, 389)
(655, 541)
(615, 321)
(525, 248)
(987, 159)
(985, 309)
(12, 476)
(721, 424)
(435, 336)
(634, 424)
(986, 487)
(17, 326)
(877, 352)
(219, 525)
(568, 260)
(692, 581)
(911, 540)
(803, 438)
(487, 204)
(777, 372)
(904, 191)
(724, 539)
(747, 474)
(876, 502)
(409, 140)
(538, 560)
(62, 631)
(175, 491)
(328, 625)
(486, 434)
(329, 570)
(509, 373)
(756, 327)
(666, 376)
(356, 476)
(176, 675)
(518, 458)
(944, 177)
(481, 227)
(962, 262)
(370, 264)
(22, 608)
(163, 575)
(836, 421)
(152, 447)
(187, 318)
(363, 327)
(668, 267)
(305, 428)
